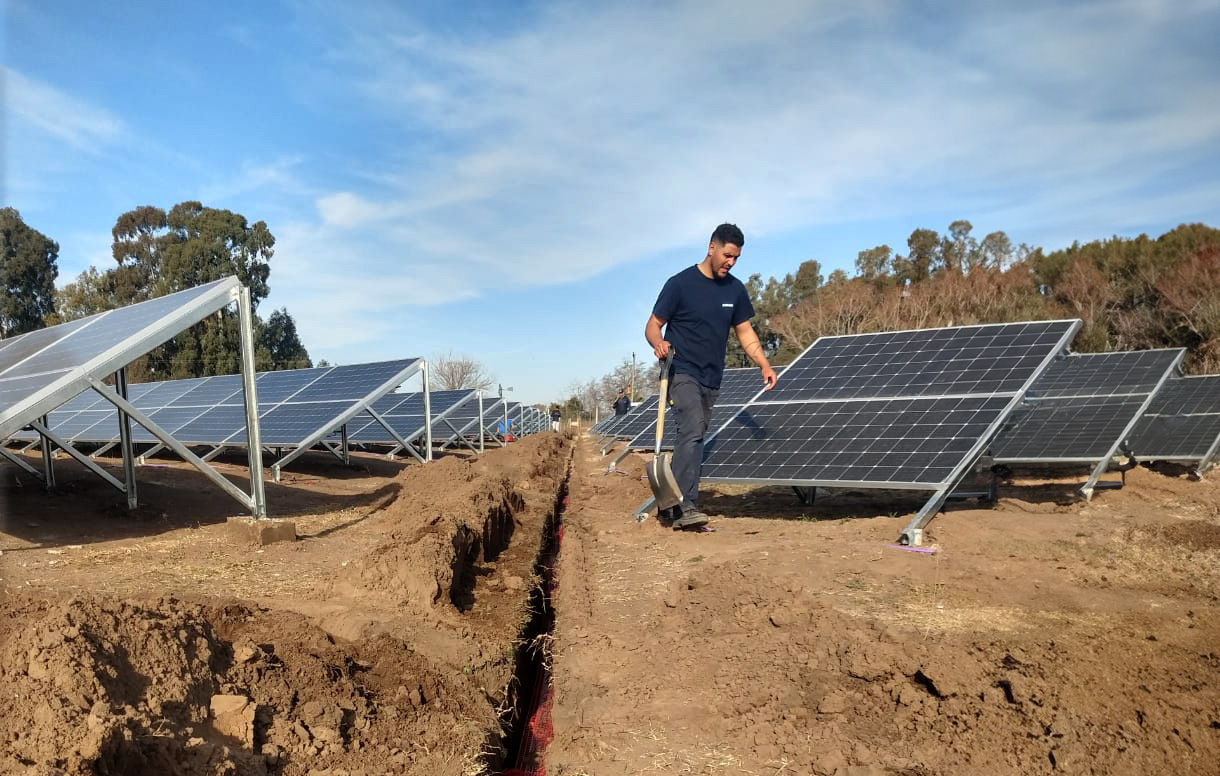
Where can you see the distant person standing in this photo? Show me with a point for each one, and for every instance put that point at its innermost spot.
(555, 418)
(622, 404)
(697, 307)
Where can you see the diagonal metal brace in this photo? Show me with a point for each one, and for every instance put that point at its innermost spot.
(245, 499)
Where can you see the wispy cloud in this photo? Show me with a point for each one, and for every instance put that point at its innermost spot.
(67, 118)
(277, 175)
(414, 158)
(593, 135)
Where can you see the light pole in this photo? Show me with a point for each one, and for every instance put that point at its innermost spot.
(632, 397)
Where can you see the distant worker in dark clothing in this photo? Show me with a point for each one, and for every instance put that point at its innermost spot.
(622, 404)
(555, 417)
(697, 307)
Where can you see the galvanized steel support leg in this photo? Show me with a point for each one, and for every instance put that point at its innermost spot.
(913, 534)
(427, 415)
(79, 456)
(48, 462)
(254, 444)
(128, 451)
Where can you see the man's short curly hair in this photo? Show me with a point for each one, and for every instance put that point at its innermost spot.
(729, 233)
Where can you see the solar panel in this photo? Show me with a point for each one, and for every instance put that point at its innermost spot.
(641, 417)
(1182, 423)
(738, 387)
(41, 370)
(405, 414)
(909, 409)
(466, 419)
(1083, 406)
(882, 442)
(492, 407)
(296, 405)
(618, 421)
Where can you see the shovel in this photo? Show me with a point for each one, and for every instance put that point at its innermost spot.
(665, 490)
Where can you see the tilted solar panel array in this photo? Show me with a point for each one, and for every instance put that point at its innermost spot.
(639, 418)
(41, 370)
(614, 422)
(404, 413)
(293, 405)
(738, 387)
(1082, 406)
(1182, 423)
(466, 418)
(893, 409)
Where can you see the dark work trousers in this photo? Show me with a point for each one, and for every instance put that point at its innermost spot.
(692, 409)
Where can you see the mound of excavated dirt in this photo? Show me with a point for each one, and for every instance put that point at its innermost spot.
(381, 642)
(443, 530)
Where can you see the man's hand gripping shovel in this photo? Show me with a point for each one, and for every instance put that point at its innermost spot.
(665, 488)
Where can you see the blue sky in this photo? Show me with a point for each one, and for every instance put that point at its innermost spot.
(515, 181)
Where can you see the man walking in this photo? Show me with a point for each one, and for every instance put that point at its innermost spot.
(556, 416)
(697, 307)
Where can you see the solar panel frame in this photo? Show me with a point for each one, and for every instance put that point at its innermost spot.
(79, 355)
(919, 373)
(1182, 423)
(740, 384)
(1084, 407)
(194, 404)
(405, 414)
(643, 416)
(468, 417)
(100, 345)
(811, 382)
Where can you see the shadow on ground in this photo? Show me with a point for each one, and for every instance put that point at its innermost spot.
(82, 508)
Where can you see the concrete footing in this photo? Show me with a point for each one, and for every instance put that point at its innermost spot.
(264, 531)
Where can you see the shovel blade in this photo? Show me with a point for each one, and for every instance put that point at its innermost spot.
(662, 482)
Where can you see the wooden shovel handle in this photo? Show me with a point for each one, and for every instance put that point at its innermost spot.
(663, 397)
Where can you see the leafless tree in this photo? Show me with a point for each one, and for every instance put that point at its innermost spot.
(453, 372)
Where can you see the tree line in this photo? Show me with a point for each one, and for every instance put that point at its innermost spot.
(156, 252)
(1131, 294)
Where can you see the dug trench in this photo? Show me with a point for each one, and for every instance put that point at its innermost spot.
(387, 639)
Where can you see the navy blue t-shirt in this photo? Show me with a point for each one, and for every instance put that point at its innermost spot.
(699, 311)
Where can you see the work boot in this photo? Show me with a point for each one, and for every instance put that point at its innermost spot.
(691, 518)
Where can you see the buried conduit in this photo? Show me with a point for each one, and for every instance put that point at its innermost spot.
(527, 727)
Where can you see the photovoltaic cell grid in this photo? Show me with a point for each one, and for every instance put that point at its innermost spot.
(41, 370)
(893, 409)
(613, 422)
(493, 410)
(466, 420)
(293, 405)
(640, 417)
(737, 388)
(635, 416)
(1082, 405)
(1182, 423)
(404, 412)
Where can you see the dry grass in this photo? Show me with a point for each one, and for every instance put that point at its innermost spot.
(653, 753)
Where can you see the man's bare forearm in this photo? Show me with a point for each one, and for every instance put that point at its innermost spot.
(754, 349)
(652, 332)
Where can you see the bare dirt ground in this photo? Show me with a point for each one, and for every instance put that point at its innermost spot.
(382, 641)
(1039, 636)
(1042, 636)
